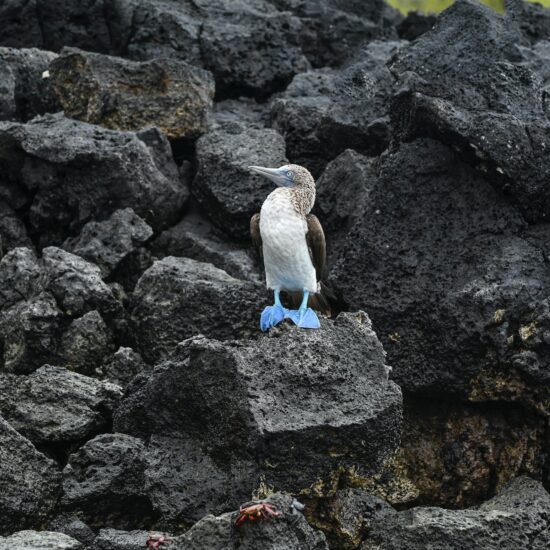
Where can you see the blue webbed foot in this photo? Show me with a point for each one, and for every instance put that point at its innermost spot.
(271, 316)
(304, 318)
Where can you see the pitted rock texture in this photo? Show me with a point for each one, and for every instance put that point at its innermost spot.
(277, 425)
(40, 540)
(325, 111)
(229, 193)
(56, 405)
(440, 261)
(125, 95)
(516, 518)
(68, 171)
(472, 94)
(26, 89)
(29, 483)
(178, 297)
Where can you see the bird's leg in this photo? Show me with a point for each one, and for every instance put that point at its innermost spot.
(273, 315)
(305, 317)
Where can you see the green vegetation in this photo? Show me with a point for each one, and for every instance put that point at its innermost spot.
(435, 6)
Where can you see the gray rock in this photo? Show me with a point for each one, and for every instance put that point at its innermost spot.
(107, 243)
(73, 527)
(29, 483)
(532, 18)
(288, 532)
(239, 113)
(127, 95)
(20, 24)
(86, 344)
(76, 283)
(439, 260)
(103, 483)
(223, 186)
(296, 427)
(516, 518)
(39, 540)
(114, 539)
(56, 405)
(178, 297)
(31, 92)
(415, 24)
(21, 277)
(13, 232)
(325, 111)
(471, 92)
(195, 238)
(123, 366)
(74, 179)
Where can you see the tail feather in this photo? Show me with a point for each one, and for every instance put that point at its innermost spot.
(319, 302)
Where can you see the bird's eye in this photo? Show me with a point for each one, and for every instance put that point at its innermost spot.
(289, 174)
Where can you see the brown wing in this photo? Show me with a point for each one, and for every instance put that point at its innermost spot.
(316, 242)
(255, 234)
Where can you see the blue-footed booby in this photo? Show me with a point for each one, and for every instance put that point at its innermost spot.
(292, 243)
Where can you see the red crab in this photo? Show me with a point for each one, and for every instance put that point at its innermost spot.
(255, 512)
(155, 540)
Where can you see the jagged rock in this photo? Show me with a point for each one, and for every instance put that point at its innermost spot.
(53, 404)
(270, 428)
(532, 18)
(31, 92)
(325, 111)
(224, 186)
(537, 59)
(347, 517)
(438, 259)
(289, 532)
(179, 297)
(516, 518)
(39, 540)
(21, 277)
(73, 527)
(195, 238)
(114, 539)
(127, 95)
(107, 243)
(29, 482)
(415, 24)
(457, 454)
(103, 483)
(76, 283)
(20, 24)
(239, 113)
(29, 333)
(123, 366)
(86, 343)
(469, 91)
(13, 232)
(77, 171)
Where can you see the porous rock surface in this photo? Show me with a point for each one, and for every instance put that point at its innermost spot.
(137, 393)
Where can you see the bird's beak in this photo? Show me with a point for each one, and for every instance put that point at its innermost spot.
(274, 174)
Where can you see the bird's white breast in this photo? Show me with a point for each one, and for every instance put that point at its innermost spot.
(287, 260)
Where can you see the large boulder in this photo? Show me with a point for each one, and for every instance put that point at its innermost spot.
(178, 297)
(55, 405)
(471, 92)
(108, 243)
(127, 95)
(30, 92)
(325, 111)
(290, 531)
(322, 395)
(229, 193)
(69, 171)
(439, 259)
(29, 482)
(516, 518)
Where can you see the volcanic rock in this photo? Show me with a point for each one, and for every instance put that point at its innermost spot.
(224, 186)
(29, 482)
(40, 540)
(114, 539)
(53, 404)
(126, 95)
(325, 111)
(515, 518)
(13, 232)
(122, 366)
(107, 243)
(179, 297)
(76, 171)
(438, 259)
(469, 91)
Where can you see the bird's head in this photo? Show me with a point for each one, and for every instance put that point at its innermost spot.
(289, 175)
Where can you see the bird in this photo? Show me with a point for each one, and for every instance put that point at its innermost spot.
(292, 243)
